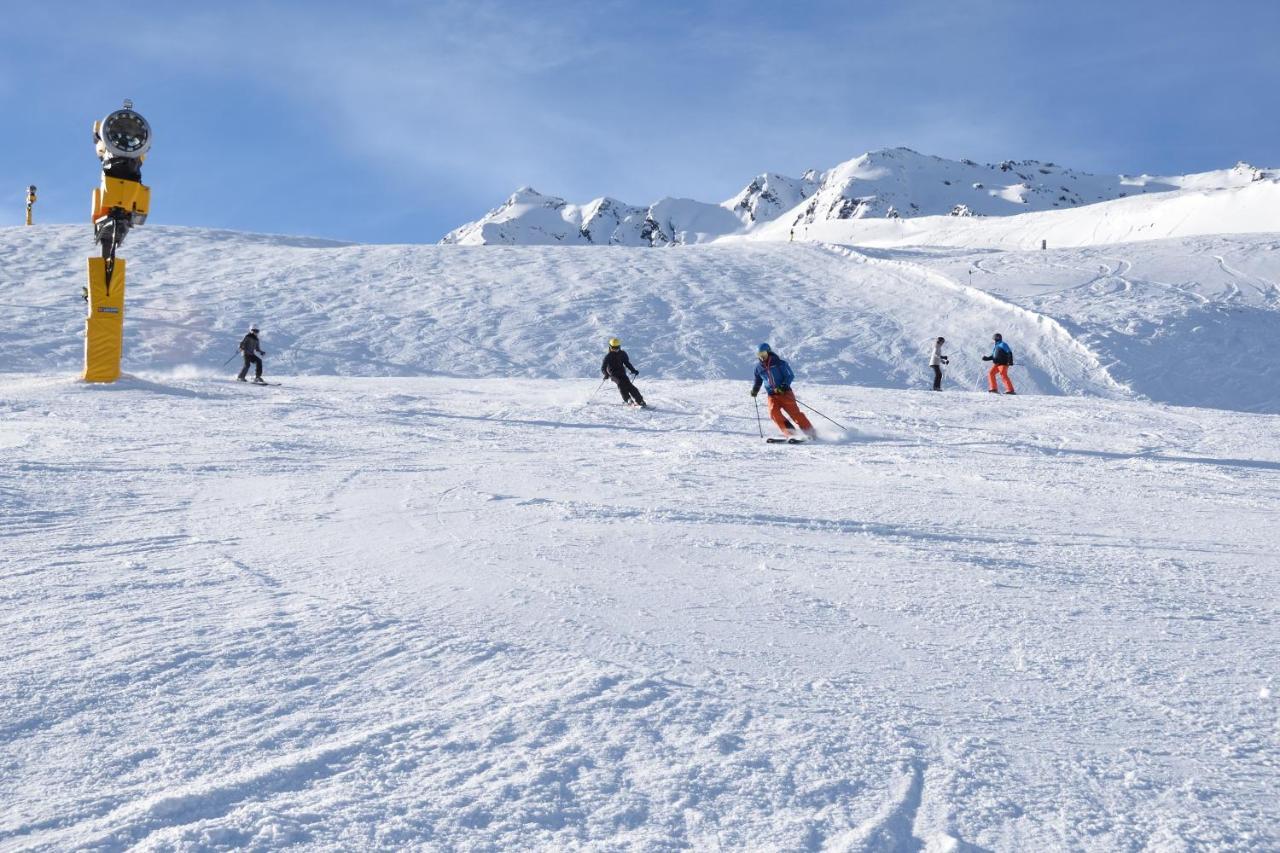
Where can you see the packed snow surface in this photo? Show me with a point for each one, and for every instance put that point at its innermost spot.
(505, 614)
(440, 589)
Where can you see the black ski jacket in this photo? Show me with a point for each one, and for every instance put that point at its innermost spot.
(616, 364)
(249, 346)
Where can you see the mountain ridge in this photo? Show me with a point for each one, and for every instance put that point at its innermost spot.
(889, 183)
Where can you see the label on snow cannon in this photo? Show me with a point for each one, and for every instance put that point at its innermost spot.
(111, 310)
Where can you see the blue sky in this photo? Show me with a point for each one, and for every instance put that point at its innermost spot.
(394, 121)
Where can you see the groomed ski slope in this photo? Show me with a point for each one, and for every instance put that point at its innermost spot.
(430, 592)
(501, 614)
(1191, 321)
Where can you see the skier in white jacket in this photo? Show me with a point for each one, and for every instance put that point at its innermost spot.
(936, 361)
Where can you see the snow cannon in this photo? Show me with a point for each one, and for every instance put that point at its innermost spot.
(122, 141)
(31, 201)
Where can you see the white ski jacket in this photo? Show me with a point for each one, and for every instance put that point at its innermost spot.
(935, 360)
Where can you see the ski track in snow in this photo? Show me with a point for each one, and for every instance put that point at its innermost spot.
(501, 614)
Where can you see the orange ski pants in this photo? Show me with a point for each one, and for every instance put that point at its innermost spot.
(1001, 370)
(785, 401)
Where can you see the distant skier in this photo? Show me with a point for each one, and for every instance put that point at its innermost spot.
(250, 350)
(776, 377)
(1001, 357)
(936, 361)
(615, 366)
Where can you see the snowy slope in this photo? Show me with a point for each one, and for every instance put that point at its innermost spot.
(440, 590)
(911, 184)
(890, 184)
(498, 615)
(1250, 209)
(1190, 321)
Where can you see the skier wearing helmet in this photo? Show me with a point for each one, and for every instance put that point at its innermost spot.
(1001, 357)
(776, 377)
(615, 367)
(249, 348)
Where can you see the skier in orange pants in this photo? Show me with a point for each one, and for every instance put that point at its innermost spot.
(776, 377)
(1001, 357)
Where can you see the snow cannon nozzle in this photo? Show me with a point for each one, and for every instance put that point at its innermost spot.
(125, 133)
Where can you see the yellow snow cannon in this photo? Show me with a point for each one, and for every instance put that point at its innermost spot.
(122, 141)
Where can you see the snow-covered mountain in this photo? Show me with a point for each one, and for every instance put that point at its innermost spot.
(890, 184)
(529, 218)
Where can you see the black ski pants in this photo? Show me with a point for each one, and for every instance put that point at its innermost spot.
(249, 359)
(937, 377)
(628, 391)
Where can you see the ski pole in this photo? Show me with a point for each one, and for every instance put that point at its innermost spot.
(597, 391)
(816, 412)
(233, 355)
(759, 425)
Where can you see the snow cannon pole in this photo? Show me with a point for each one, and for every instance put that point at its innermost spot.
(121, 141)
(819, 414)
(31, 201)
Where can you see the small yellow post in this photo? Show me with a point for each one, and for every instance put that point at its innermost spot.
(31, 200)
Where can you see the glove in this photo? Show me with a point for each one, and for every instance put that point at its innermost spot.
(755, 391)
(262, 352)
(986, 358)
(946, 360)
(635, 373)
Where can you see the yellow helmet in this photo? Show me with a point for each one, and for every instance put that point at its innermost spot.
(614, 343)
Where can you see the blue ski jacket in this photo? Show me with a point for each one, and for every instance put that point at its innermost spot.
(775, 374)
(1001, 353)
